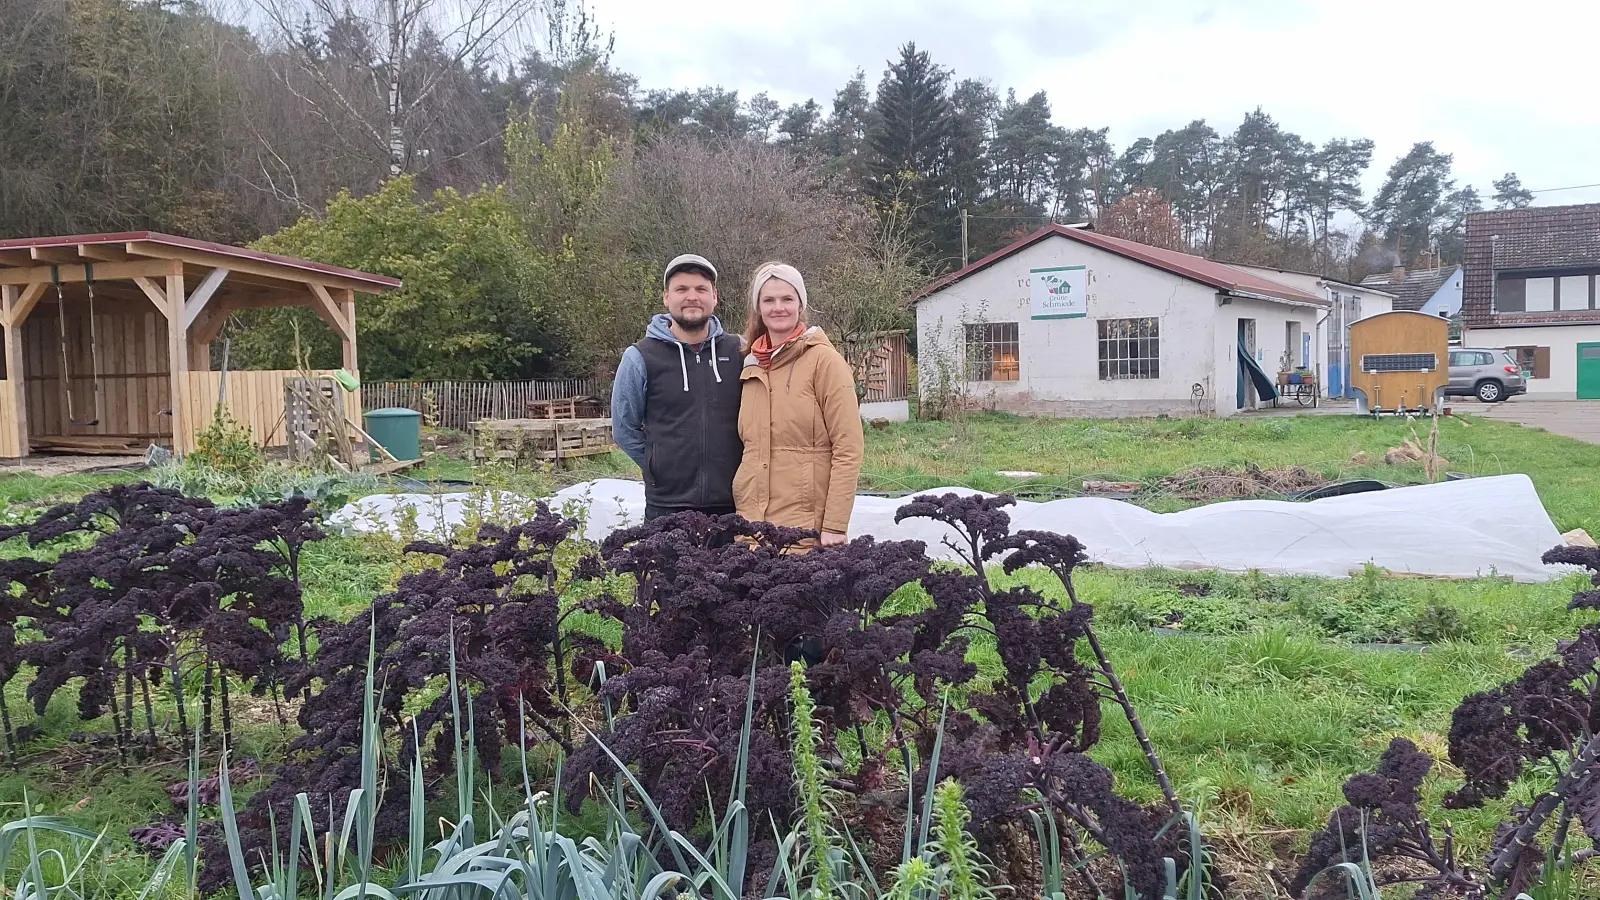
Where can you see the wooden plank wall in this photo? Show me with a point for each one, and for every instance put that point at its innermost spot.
(255, 399)
(8, 415)
(134, 381)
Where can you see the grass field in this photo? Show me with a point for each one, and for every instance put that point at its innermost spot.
(1261, 693)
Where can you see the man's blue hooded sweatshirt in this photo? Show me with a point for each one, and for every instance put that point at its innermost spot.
(675, 412)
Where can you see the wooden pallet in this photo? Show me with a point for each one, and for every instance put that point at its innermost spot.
(521, 441)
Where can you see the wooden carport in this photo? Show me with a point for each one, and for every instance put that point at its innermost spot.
(140, 366)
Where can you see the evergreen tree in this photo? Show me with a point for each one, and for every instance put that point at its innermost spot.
(1452, 239)
(1186, 167)
(1335, 186)
(1510, 194)
(842, 139)
(798, 127)
(1024, 152)
(1411, 205)
(973, 106)
(912, 125)
(1085, 169)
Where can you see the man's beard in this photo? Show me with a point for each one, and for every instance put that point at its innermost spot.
(687, 324)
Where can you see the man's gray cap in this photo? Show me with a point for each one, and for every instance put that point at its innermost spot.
(686, 260)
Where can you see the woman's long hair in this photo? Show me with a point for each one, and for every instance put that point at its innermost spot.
(753, 326)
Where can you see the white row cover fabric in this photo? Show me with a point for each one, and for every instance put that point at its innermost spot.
(1471, 528)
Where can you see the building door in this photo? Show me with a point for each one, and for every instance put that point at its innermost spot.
(1589, 371)
(1247, 346)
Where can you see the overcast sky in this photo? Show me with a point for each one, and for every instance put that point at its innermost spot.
(1515, 87)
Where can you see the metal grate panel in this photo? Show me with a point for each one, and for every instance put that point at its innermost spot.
(1399, 362)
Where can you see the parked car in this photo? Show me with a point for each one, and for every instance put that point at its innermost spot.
(1489, 375)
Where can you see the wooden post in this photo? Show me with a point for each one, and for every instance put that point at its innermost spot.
(347, 307)
(15, 374)
(178, 366)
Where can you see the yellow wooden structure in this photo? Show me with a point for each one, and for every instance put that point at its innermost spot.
(139, 370)
(1400, 361)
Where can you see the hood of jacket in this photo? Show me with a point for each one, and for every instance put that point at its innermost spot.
(660, 328)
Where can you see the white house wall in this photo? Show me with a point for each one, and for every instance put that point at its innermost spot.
(1563, 341)
(1058, 359)
(1271, 333)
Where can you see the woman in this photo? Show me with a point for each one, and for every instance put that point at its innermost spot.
(798, 416)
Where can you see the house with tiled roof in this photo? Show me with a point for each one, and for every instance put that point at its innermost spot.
(1531, 287)
(1435, 291)
(1073, 322)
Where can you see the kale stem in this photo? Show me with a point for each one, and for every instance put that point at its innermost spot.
(1126, 703)
(11, 735)
(177, 694)
(149, 708)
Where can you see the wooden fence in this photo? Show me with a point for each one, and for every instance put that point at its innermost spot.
(885, 370)
(457, 404)
(255, 399)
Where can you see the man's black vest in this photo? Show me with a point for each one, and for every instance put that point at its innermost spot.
(691, 422)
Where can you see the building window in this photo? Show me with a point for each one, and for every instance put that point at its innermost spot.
(1544, 292)
(992, 352)
(1533, 361)
(1130, 348)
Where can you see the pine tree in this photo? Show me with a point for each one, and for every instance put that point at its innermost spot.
(1510, 194)
(842, 139)
(1411, 205)
(912, 125)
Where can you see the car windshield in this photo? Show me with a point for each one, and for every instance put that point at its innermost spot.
(1511, 359)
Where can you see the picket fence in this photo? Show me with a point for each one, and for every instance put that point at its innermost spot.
(457, 404)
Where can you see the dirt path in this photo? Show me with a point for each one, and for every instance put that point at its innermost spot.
(49, 466)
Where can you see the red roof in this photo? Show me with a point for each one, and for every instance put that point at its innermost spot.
(378, 282)
(1221, 276)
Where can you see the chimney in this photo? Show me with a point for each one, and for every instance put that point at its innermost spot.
(1397, 274)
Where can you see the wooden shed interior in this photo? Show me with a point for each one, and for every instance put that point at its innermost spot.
(139, 367)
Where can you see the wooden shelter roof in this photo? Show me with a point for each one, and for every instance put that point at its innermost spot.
(21, 258)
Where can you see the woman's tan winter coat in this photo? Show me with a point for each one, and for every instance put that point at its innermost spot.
(800, 422)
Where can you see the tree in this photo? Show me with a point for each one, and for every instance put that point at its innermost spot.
(1144, 217)
(1411, 203)
(1085, 169)
(1510, 194)
(842, 139)
(473, 295)
(1335, 187)
(912, 124)
(798, 127)
(1186, 166)
(739, 202)
(384, 76)
(763, 113)
(1452, 239)
(1023, 151)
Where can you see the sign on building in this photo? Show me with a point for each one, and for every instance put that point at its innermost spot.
(1060, 292)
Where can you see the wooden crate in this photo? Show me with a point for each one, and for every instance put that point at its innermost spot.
(521, 441)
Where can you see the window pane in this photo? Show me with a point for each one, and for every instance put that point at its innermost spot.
(1540, 294)
(1129, 348)
(992, 352)
(1509, 295)
(1574, 292)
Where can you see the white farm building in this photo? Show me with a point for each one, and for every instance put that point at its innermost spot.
(1070, 322)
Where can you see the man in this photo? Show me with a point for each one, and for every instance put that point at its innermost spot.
(675, 404)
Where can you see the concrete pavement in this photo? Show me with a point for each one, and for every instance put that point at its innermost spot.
(1579, 419)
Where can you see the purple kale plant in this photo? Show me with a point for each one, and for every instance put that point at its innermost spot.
(1543, 724)
(1023, 738)
(154, 584)
(492, 611)
(880, 663)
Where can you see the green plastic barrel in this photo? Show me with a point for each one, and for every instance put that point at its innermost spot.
(398, 430)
